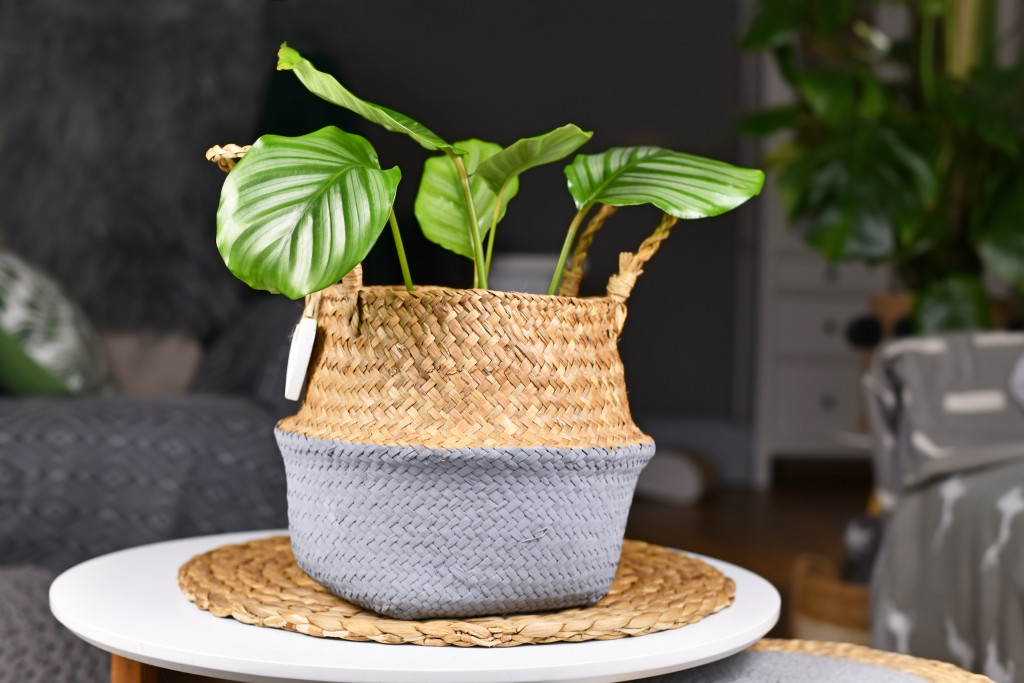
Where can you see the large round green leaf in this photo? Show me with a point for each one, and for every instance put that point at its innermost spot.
(682, 185)
(297, 214)
(440, 204)
(327, 87)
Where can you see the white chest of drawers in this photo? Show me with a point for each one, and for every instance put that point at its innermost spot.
(807, 376)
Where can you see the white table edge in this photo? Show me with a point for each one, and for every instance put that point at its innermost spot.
(249, 669)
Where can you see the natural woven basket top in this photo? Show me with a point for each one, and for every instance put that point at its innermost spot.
(258, 582)
(454, 368)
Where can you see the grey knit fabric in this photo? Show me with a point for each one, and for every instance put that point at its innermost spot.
(415, 533)
(80, 477)
(791, 667)
(34, 646)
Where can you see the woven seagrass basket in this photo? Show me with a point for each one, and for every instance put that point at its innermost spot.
(465, 452)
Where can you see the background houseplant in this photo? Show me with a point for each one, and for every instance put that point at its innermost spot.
(905, 146)
(458, 451)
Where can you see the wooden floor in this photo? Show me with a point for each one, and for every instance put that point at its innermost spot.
(764, 531)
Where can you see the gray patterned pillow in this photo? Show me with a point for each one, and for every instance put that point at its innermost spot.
(940, 404)
(47, 346)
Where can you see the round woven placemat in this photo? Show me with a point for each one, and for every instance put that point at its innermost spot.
(655, 589)
(928, 669)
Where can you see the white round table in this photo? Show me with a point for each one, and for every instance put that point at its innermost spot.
(128, 603)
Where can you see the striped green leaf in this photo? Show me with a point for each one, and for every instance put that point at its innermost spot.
(683, 185)
(327, 87)
(527, 153)
(440, 205)
(297, 214)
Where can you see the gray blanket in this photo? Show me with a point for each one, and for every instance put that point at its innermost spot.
(83, 477)
(949, 448)
(949, 583)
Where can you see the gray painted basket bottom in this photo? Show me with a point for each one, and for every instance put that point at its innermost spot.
(416, 533)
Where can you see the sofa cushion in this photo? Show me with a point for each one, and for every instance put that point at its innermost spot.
(150, 363)
(80, 477)
(251, 356)
(47, 345)
(34, 646)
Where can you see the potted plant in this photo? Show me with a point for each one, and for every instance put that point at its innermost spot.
(902, 150)
(458, 451)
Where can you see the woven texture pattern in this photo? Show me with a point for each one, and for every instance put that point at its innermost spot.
(227, 156)
(34, 646)
(573, 274)
(453, 368)
(655, 589)
(84, 477)
(416, 532)
(928, 669)
(805, 661)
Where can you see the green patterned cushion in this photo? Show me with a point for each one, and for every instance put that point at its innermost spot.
(47, 346)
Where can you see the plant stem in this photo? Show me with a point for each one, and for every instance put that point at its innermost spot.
(490, 248)
(401, 251)
(480, 276)
(570, 237)
(494, 229)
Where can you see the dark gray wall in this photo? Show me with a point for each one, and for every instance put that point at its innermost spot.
(643, 72)
(106, 108)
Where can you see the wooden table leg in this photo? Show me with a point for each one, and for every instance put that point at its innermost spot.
(124, 670)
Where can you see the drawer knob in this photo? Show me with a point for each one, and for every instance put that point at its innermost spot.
(827, 402)
(830, 327)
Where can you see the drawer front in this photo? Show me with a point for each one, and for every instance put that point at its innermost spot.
(817, 275)
(808, 326)
(817, 398)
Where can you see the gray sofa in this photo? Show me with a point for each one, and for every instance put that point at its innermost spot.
(107, 109)
(80, 477)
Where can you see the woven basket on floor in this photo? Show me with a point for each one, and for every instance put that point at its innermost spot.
(465, 452)
(824, 607)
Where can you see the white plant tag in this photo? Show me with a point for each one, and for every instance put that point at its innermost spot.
(298, 358)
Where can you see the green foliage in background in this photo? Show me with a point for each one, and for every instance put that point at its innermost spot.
(905, 150)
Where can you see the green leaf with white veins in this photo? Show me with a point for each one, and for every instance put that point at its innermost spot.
(682, 185)
(530, 152)
(327, 87)
(297, 214)
(440, 204)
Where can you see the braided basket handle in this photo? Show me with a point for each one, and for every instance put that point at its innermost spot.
(350, 284)
(631, 265)
(573, 275)
(227, 156)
